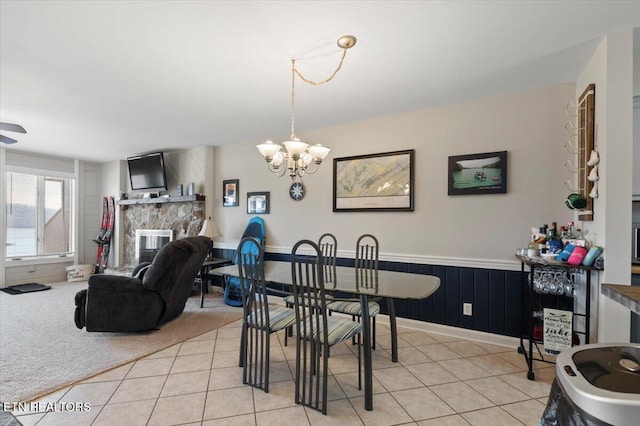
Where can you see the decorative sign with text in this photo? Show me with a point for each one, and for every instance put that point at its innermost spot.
(558, 330)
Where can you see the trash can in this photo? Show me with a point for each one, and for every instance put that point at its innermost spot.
(596, 384)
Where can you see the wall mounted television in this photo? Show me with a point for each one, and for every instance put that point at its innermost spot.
(147, 173)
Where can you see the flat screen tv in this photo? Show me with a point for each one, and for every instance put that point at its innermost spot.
(146, 172)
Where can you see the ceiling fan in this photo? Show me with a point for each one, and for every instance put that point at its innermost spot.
(10, 128)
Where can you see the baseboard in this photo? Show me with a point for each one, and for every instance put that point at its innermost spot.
(447, 330)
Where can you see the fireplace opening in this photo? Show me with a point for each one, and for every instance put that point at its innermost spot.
(149, 242)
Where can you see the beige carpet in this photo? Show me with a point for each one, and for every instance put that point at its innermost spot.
(42, 350)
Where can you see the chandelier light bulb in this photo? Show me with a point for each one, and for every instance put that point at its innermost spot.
(306, 159)
(278, 159)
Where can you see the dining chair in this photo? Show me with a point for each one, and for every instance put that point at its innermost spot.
(260, 319)
(316, 331)
(366, 268)
(328, 245)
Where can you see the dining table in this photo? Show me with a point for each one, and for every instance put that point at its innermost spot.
(365, 284)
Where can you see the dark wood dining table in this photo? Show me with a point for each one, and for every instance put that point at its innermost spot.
(365, 284)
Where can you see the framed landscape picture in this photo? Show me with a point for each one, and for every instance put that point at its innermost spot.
(484, 173)
(230, 193)
(374, 182)
(258, 202)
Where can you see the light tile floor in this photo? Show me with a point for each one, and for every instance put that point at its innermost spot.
(439, 380)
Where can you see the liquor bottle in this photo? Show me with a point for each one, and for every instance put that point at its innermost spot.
(554, 231)
(541, 238)
(532, 249)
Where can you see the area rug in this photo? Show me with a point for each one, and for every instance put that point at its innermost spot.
(41, 349)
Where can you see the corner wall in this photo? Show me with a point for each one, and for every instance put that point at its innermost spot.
(610, 68)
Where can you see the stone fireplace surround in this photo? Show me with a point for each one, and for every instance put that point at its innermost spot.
(183, 218)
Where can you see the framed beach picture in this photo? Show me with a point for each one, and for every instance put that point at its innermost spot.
(230, 193)
(484, 173)
(374, 182)
(258, 202)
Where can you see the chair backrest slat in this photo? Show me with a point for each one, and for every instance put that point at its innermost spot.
(329, 248)
(366, 262)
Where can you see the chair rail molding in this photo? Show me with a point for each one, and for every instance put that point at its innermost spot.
(507, 265)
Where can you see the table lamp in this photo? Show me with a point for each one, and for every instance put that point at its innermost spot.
(209, 229)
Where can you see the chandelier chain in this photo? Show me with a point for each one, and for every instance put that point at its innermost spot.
(293, 99)
(294, 72)
(328, 79)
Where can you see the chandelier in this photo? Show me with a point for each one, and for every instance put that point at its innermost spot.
(299, 157)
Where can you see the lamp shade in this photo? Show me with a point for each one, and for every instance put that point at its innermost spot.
(209, 229)
(268, 149)
(318, 152)
(295, 147)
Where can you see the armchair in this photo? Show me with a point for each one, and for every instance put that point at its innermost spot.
(155, 295)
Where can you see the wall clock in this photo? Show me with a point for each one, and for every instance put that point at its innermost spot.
(297, 191)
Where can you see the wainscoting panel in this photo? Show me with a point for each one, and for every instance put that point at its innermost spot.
(494, 294)
(467, 296)
(496, 300)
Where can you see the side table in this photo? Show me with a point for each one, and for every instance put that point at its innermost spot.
(205, 277)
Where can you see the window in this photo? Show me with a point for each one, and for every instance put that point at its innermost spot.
(39, 215)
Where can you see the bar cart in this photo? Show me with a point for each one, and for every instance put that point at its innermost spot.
(535, 302)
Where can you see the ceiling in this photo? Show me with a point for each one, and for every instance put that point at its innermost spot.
(103, 80)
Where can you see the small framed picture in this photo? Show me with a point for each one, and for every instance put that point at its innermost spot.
(258, 202)
(230, 193)
(484, 173)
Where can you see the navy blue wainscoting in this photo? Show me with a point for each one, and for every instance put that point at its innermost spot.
(494, 294)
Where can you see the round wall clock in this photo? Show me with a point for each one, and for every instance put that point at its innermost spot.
(296, 191)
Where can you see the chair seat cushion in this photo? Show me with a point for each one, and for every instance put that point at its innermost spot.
(339, 329)
(279, 318)
(351, 307)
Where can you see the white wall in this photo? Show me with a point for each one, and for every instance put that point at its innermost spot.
(636, 62)
(476, 230)
(185, 167)
(89, 212)
(610, 68)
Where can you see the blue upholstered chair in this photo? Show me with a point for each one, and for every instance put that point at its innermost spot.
(232, 295)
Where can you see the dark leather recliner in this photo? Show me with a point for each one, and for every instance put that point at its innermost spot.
(155, 295)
